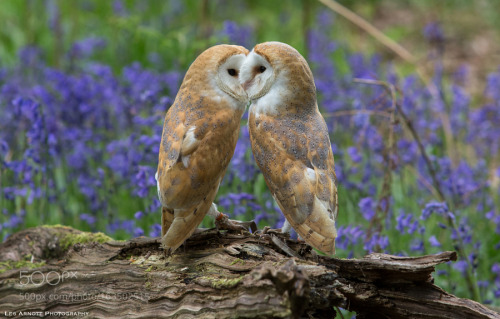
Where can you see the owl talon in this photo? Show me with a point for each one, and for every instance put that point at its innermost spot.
(167, 252)
(269, 230)
(222, 222)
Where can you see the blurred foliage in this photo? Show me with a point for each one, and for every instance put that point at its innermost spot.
(177, 31)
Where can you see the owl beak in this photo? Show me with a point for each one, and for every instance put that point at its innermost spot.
(243, 94)
(246, 84)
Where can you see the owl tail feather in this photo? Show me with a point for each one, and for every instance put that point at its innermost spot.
(182, 225)
(318, 229)
(317, 240)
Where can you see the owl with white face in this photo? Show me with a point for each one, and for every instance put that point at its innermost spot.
(199, 137)
(290, 141)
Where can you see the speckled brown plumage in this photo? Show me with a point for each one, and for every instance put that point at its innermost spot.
(187, 192)
(291, 145)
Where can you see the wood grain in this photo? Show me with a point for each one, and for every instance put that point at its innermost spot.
(220, 275)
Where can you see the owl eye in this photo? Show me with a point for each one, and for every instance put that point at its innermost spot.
(232, 72)
(262, 69)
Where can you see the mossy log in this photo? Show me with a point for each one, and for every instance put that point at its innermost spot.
(59, 271)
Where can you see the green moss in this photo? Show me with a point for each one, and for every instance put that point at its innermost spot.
(237, 260)
(57, 226)
(68, 240)
(220, 283)
(25, 262)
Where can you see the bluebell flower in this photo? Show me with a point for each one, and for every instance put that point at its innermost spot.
(433, 32)
(86, 47)
(128, 226)
(377, 241)
(13, 222)
(89, 219)
(119, 8)
(434, 242)
(155, 230)
(241, 35)
(138, 231)
(434, 207)
(31, 56)
(367, 207)
(495, 269)
(461, 266)
(417, 245)
(138, 215)
(348, 236)
(354, 154)
(442, 272)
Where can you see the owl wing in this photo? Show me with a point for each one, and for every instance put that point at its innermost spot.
(296, 159)
(194, 154)
(177, 143)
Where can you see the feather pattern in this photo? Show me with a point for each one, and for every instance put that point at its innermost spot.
(199, 137)
(291, 145)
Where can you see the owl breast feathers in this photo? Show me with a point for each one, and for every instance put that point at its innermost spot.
(290, 141)
(199, 137)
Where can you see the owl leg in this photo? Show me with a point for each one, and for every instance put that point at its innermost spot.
(222, 221)
(286, 227)
(284, 230)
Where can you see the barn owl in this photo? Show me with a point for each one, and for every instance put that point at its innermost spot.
(290, 141)
(199, 137)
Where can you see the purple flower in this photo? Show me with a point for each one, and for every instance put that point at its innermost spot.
(407, 150)
(367, 207)
(138, 231)
(86, 47)
(434, 207)
(89, 219)
(442, 273)
(119, 8)
(354, 154)
(417, 245)
(138, 215)
(13, 222)
(238, 34)
(434, 242)
(155, 230)
(497, 291)
(461, 266)
(348, 236)
(433, 32)
(376, 242)
(495, 269)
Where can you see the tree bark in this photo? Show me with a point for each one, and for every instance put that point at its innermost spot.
(216, 275)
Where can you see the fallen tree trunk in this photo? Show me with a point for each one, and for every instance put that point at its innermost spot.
(216, 275)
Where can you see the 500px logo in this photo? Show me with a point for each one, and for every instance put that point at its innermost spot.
(39, 278)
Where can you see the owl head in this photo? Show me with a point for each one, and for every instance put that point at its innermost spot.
(274, 70)
(217, 68)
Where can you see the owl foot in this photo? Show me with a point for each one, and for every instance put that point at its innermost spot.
(167, 252)
(222, 222)
(274, 231)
